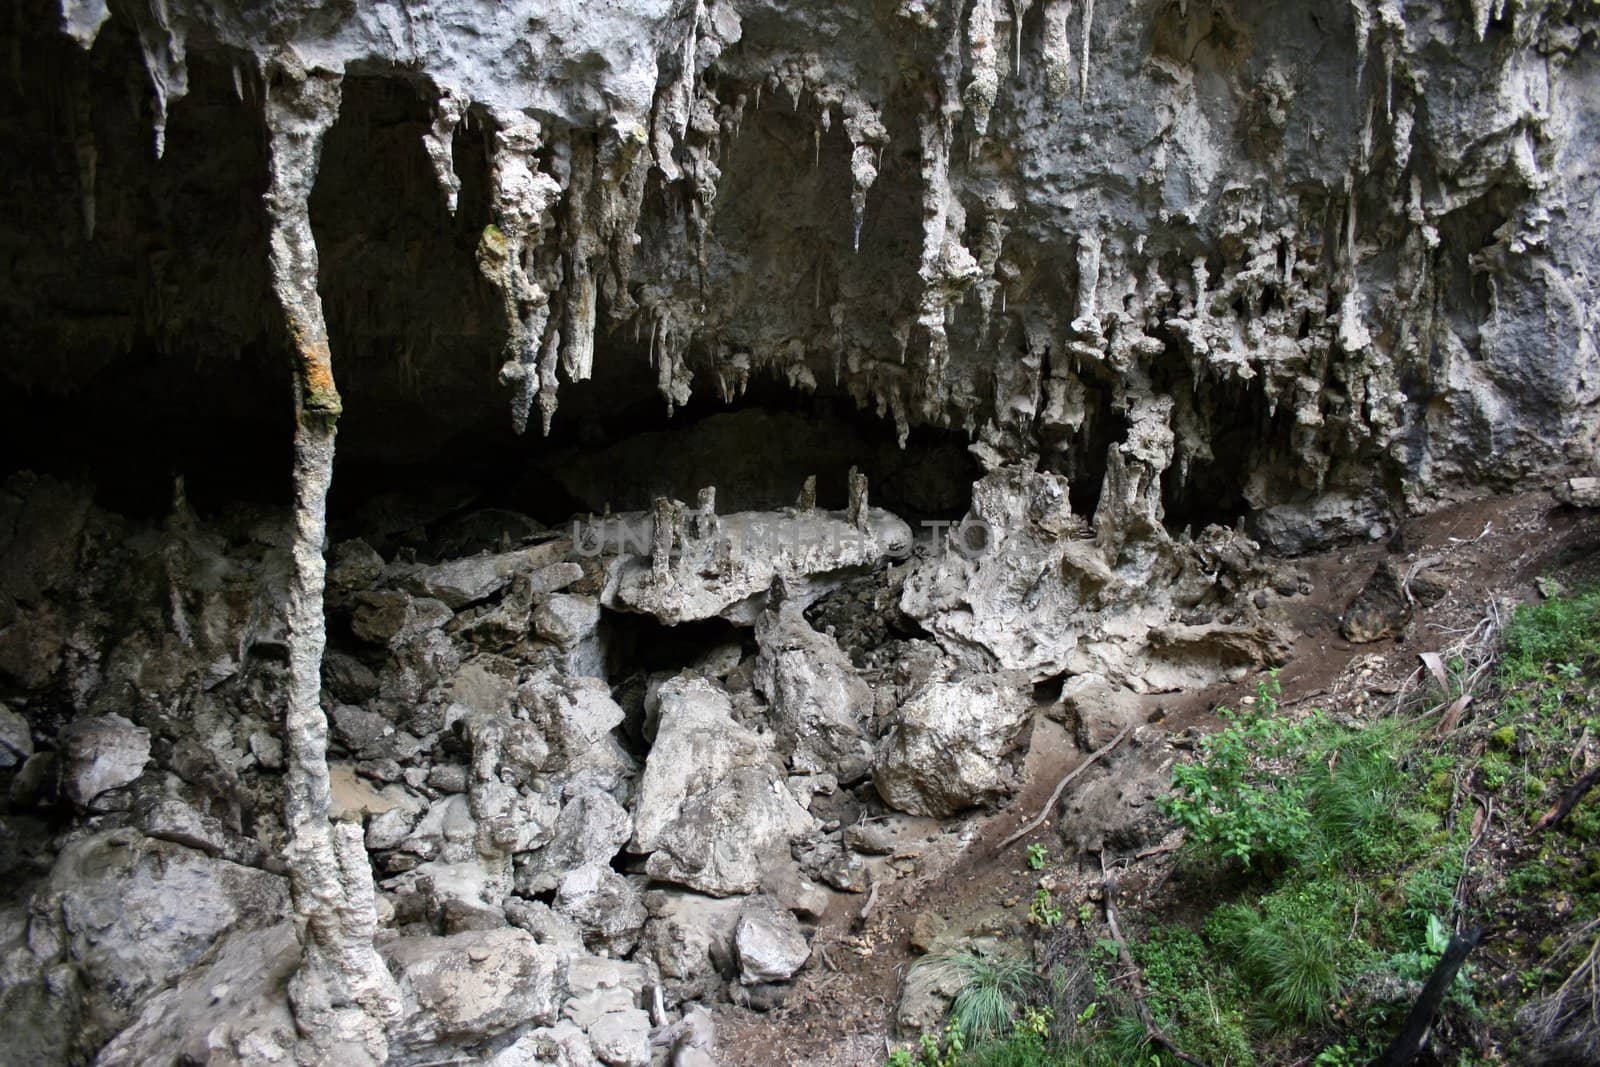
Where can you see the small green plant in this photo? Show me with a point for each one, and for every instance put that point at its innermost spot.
(1037, 855)
(1230, 800)
(1085, 914)
(1042, 912)
(1036, 1021)
(991, 990)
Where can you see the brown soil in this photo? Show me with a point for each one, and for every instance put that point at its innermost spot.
(841, 1011)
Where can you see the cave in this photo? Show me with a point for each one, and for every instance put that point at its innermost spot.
(618, 502)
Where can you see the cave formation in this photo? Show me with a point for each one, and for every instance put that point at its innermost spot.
(330, 330)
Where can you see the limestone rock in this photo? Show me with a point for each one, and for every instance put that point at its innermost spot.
(465, 581)
(770, 945)
(1380, 609)
(818, 701)
(946, 747)
(711, 809)
(591, 829)
(604, 904)
(621, 1038)
(561, 1045)
(474, 985)
(16, 738)
(101, 754)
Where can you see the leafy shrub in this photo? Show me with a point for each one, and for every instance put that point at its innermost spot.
(1229, 801)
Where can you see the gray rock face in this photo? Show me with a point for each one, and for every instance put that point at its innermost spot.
(945, 750)
(101, 754)
(604, 905)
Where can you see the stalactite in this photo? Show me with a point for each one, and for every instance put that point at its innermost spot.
(1057, 47)
(985, 62)
(84, 149)
(163, 47)
(1083, 62)
(343, 996)
(439, 141)
(1019, 11)
(583, 246)
(509, 255)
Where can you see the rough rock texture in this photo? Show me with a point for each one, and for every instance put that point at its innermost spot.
(945, 750)
(1173, 287)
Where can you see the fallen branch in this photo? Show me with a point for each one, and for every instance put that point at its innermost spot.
(1061, 787)
(1152, 1032)
(1409, 1043)
(1568, 801)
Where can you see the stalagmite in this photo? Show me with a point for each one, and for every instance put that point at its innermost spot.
(808, 494)
(343, 996)
(857, 510)
(439, 142)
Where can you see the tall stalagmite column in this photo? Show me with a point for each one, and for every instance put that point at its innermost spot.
(343, 996)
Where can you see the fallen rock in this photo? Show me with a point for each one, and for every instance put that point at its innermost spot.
(136, 913)
(605, 905)
(712, 810)
(471, 986)
(591, 829)
(1380, 609)
(16, 739)
(770, 944)
(818, 700)
(691, 939)
(562, 1045)
(621, 1038)
(465, 581)
(99, 755)
(1579, 492)
(243, 982)
(946, 748)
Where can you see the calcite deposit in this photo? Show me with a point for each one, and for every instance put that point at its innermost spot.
(501, 495)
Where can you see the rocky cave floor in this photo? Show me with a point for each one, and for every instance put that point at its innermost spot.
(956, 883)
(616, 789)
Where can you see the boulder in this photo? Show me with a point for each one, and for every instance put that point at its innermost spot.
(818, 701)
(691, 939)
(605, 905)
(136, 913)
(1380, 609)
(16, 739)
(466, 581)
(770, 945)
(101, 754)
(712, 810)
(591, 829)
(243, 982)
(561, 1045)
(622, 1038)
(467, 987)
(945, 750)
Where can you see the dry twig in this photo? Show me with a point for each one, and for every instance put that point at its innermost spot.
(1061, 787)
(1152, 1032)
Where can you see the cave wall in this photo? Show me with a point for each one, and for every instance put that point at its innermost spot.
(1353, 243)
